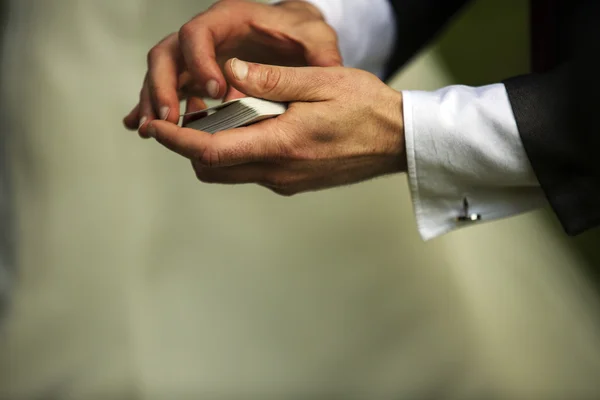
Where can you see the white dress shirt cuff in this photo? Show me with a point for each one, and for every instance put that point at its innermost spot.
(366, 31)
(463, 142)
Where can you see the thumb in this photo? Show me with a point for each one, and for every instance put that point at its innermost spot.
(284, 84)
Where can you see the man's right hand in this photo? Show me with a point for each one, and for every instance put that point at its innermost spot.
(188, 64)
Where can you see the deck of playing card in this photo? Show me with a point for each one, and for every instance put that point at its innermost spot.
(235, 113)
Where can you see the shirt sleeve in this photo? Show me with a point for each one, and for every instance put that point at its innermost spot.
(366, 31)
(463, 143)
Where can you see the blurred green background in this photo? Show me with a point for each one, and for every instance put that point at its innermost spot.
(137, 282)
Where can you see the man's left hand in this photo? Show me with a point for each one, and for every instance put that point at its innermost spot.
(342, 126)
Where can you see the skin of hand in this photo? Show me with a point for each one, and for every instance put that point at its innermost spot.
(189, 64)
(342, 126)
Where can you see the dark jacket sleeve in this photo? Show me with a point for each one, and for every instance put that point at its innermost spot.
(557, 114)
(417, 22)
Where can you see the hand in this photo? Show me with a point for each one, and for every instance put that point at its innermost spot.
(188, 64)
(342, 126)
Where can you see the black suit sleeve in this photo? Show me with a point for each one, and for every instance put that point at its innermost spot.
(556, 114)
(417, 22)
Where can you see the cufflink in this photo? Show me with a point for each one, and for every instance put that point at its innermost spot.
(466, 215)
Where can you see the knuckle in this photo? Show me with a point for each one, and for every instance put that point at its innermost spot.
(325, 31)
(337, 75)
(187, 31)
(270, 78)
(332, 33)
(217, 5)
(153, 54)
(210, 157)
(225, 4)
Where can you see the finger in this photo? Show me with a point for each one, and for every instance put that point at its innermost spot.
(285, 84)
(194, 104)
(132, 119)
(319, 41)
(191, 89)
(198, 40)
(226, 148)
(321, 47)
(236, 174)
(164, 65)
(233, 94)
(146, 110)
(186, 142)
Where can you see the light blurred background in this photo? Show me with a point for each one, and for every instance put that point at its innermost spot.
(137, 282)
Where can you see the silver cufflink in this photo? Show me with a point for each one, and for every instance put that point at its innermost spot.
(466, 215)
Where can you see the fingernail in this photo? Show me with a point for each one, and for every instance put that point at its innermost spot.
(142, 122)
(239, 68)
(212, 87)
(163, 113)
(151, 130)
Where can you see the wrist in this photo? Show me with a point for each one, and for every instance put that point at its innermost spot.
(394, 126)
(304, 6)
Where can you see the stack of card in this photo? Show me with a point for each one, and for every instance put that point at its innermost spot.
(235, 113)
